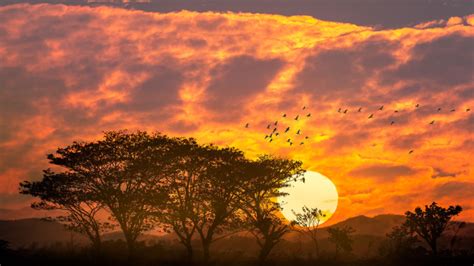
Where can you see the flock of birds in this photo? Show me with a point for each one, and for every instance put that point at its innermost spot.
(292, 136)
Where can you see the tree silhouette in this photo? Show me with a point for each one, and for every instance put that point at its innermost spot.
(400, 241)
(116, 172)
(430, 223)
(62, 192)
(307, 222)
(267, 176)
(341, 237)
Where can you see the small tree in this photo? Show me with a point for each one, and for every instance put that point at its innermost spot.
(430, 223)
(341, 237)
(307, 222)
(400, 241)
(267, 176)
(62, 192)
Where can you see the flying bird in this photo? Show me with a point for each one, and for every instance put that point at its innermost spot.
(266, 136)
(468, 109)
(345, 111)
(269, 125)
(306, 137)
(360, 109)
(393, 122)
(275, 129)
(339, 110)
(439, 109)
(271, 140)
(301, 143)
(284, 115)
(396, 111)
(432, 122)
(298, 132)
(308, 115)
(417, 105)
(288, 140)
(247, 125)
(304, 107)
(276, 134)
(287, 129)
(276, 122)
(381, 108)
(296, 118)
(371, 115)
(410, 152)
(452, 110)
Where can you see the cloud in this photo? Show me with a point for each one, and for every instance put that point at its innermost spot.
(454, 189)
(383, 173)
(440, 173)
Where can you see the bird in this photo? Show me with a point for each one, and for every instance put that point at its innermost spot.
(301, 143)
(298, 132)
(411, 151)
(247, 125)
(371, 115)
(269, 125)
(284, 115)
(452, 110)
(439, 109)
(288, 140)
(396, 111)
(304, 107)
(276, 123)
(308, 115)
(468, 109)
(345, 111)
(287, 129)
(360, 109)
(296, 118)
(302, 179)
(432, 122)
(306, 137)
(266, 136)
(275, 129)
(291, 143)
(339, 110)
(393, 122)
(276, 134)
(381, 108)
(271, 140)
(417, 105)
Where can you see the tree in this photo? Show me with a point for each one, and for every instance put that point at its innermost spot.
(307, 222)
(61, 192)
(218, 197)
(341, 237)
(267, 176)
(430, 223)
(116, 172)
(400, 241)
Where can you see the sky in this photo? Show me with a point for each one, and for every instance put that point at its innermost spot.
(70, 72)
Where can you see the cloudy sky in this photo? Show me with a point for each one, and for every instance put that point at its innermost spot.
(70, 72)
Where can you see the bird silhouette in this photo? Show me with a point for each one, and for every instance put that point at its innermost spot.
(276, 134)
(371, 115)
(266, 136)
(276, 123)
(345, 111)
(288, 140)
(269, 125)
(360, 109)
(339, 110)
(304, 107)
(432, 122)
(306, 137)
(287, 129)
(271, 140)
(275, 129)
(410, 152)
(417, 105)
(291, 143)
(468, 109)
(298, 132)
(439, 109)
(247, 125)
(284, 115)
(296, 118)
(308, 115)
(452, 110)
(381, 108)
(393, 122)
(302, 179)
(396, 111)
(301, 143)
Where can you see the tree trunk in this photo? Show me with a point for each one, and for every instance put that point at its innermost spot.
(206, 245)
(189, 251)
(434, 247)
(131, 246)
(265, 251)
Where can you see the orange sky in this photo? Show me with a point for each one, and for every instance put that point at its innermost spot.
(67, 73)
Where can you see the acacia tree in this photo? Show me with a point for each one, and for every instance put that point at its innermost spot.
(62, 192)
(430, 223)
(117, 172)
(307, 222)
(341, 237)
(218, 198)
(183, 185)
(267, 176)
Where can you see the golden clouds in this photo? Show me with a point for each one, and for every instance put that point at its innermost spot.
(69, 72)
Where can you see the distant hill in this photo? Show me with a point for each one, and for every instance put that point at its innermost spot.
(24, 232)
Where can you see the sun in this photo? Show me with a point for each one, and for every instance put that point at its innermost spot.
(317, 191)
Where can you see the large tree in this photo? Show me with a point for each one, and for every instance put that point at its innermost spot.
(430, 223)
(117, 172)
(268, 176)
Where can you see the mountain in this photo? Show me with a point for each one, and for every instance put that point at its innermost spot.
(378, 225)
